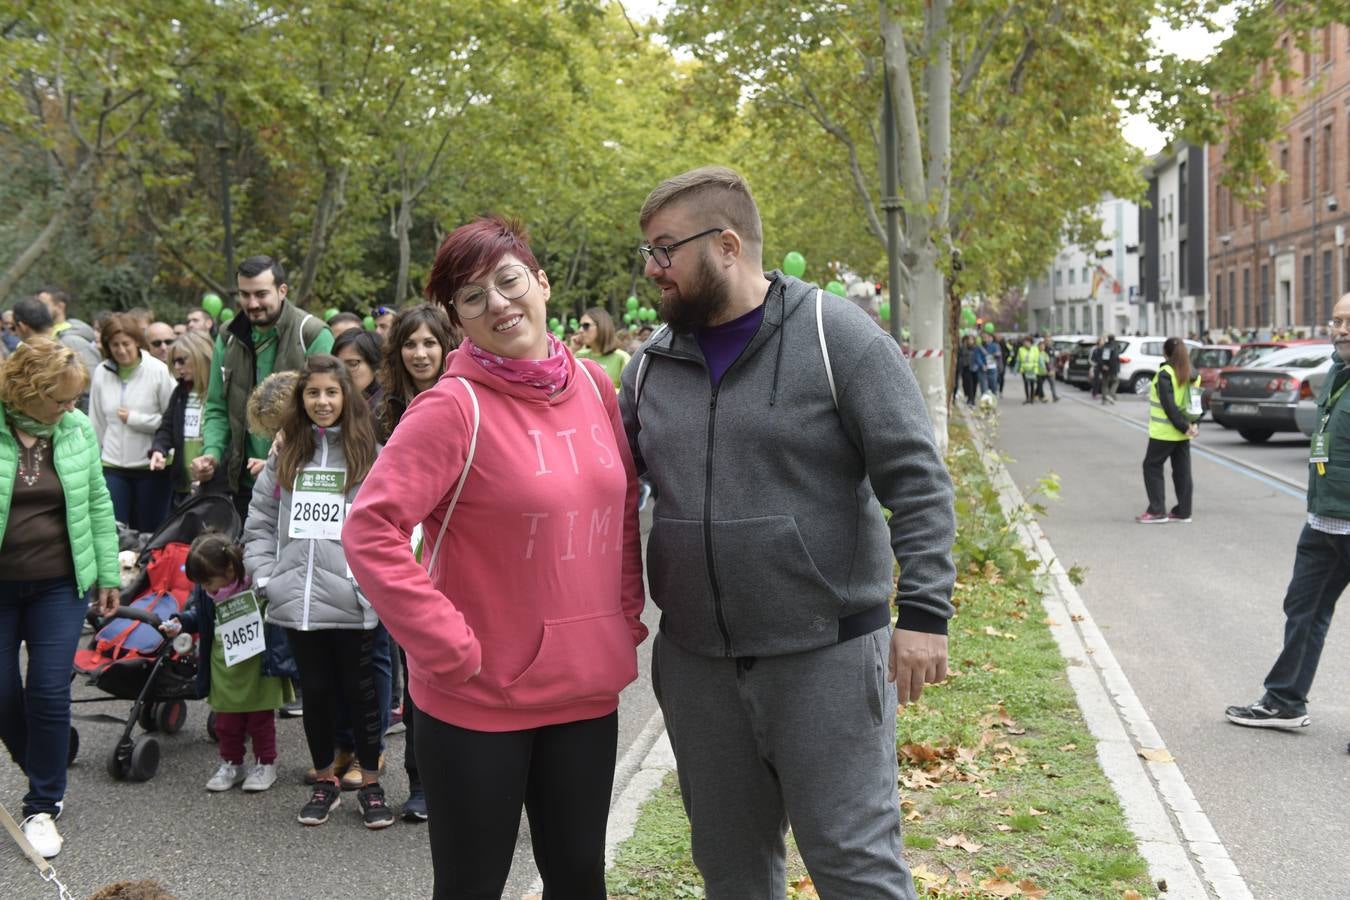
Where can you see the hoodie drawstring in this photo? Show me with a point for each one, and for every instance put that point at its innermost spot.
(778, 357)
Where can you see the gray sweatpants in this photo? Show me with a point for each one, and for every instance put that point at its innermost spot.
(806, 739)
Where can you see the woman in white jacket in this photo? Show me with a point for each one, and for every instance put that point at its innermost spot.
(128, 394)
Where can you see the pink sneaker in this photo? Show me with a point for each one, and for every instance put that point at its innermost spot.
(1149, 518)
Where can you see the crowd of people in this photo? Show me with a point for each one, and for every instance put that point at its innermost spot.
(489, 472)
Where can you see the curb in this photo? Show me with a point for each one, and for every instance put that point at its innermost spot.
(1172, 844)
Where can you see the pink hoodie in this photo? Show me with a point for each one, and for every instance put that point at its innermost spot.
(529, 615)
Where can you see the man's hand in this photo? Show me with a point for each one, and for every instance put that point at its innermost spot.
(108, 601)
(123, 413)
(917, 659)
(156, 461)
(203, 468)
(255, 466)
(171, 627)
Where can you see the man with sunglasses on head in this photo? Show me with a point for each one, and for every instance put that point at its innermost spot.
(159, 337)
(384, 320)
(271, 335)
(775, 421)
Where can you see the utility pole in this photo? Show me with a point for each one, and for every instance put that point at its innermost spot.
(891, 203)
(223, 152)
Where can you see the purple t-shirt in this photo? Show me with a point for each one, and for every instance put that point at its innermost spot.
(721, 344)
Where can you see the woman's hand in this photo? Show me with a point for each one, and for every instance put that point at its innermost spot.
(108, 601)
(156, 461)
(123, 413)
(255, 466)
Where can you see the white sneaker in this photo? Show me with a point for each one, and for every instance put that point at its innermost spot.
(261, 777)
(226, 777)
(42, 834)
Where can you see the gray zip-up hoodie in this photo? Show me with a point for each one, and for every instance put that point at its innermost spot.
(306, 582)
(768, 530)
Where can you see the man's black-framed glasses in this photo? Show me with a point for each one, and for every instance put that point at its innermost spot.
(662, 254)
(511, 283)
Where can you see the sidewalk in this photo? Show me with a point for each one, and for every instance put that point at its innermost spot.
(1033, 771)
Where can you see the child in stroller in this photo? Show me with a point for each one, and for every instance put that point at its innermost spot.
(242, 658)
(131, 660)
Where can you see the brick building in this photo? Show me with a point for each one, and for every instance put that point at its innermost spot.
(1283, 265)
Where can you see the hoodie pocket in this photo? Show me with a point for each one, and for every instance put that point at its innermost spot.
(773, 596)
(677, 571)
(584, 658)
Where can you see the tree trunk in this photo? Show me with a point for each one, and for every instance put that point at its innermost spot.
(402, 228)
(928, 330)
(34, 251)
(332, 198)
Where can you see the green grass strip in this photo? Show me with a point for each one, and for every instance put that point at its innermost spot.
(1000, 788)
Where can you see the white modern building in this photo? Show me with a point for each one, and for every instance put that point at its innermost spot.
(1092, 290)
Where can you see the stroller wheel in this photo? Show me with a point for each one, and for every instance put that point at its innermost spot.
(211, 727)
(149, 717)
(170, 716)
(119, 762)
(74, 748)
(144, 759)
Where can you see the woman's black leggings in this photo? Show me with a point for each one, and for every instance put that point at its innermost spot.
(338, 664)
(475, 783)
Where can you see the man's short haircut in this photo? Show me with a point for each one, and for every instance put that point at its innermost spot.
(344, 317)
(32, 312)
(58, 296)
(720, 195)
(256, 265)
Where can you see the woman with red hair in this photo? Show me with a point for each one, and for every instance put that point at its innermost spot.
(521, 626)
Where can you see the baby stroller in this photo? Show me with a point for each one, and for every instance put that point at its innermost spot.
(130, 659)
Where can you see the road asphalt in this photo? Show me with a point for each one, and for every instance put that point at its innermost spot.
(1193, 615)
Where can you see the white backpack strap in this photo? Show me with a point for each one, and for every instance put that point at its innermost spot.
(591, 378)
(463, 476)
(303, 322)
(824, 348)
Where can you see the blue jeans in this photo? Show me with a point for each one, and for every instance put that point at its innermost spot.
(140, 498)
(1321, 573)
(35, 712)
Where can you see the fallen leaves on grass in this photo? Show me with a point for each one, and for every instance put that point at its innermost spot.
(804, 888)
(960, 840)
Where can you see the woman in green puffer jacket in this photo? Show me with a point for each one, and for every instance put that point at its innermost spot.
(58, 539)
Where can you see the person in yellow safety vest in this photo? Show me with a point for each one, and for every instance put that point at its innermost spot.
(1028, 361)
(1173, 410)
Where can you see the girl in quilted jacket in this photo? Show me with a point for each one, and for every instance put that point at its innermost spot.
(294, 555)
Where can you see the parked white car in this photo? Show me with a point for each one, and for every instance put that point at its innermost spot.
(1140, 358)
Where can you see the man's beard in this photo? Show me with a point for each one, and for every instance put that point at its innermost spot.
(268, 319)
(693, 307)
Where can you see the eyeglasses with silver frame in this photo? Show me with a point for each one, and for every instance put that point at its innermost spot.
(510, 283)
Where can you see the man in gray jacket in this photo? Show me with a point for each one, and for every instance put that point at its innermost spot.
(774, 423)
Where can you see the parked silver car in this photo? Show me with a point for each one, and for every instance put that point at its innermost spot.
(1264, 398)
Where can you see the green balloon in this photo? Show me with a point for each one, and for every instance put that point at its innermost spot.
(329, 313)
(967, 317)
(553, 322)
(836, 288)
(794, 264)
(648, 314)
(630, 317)
(369, 323)
(631, 304)
(212, 304)
(573, 324)
(989, 327)
(558, 332)
(225, 314)
(886, 311)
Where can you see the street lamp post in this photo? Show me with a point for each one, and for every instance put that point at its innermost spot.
(1164, 285)
(1227, 241)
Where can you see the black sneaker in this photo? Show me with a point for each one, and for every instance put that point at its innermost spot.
(415, 807)
(1258, 715)
(327, 796)
(293, 710)
(375, 812)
